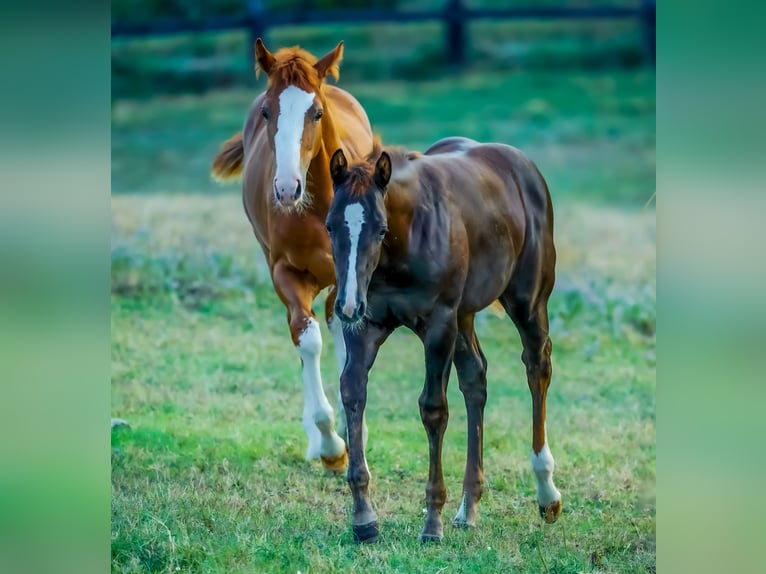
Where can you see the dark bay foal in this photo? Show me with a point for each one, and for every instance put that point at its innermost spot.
(427, 241)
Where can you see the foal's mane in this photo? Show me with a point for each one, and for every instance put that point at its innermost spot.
(295, 66)
(360, 172)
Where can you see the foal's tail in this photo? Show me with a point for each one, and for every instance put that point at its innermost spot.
(227, 165)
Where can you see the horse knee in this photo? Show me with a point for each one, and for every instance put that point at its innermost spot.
(434, 414)
(306, 335)
(546, 370)
(538, 360)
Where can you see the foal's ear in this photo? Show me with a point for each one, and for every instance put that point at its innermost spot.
(330, 63)
(383, 171)
(338, 167)
(263, 58)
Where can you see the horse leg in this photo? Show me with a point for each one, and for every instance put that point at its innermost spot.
(336, 329)
(297, 291)
(471, 366)
(532, 323)
(362, 348)
(439, 341)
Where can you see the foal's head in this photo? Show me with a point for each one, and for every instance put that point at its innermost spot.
(293, 108)
(356, 223)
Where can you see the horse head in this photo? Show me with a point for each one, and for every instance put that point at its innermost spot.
(293, 107)
(357, 224)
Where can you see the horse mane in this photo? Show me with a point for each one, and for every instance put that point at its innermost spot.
(361, 171)
(295, 66)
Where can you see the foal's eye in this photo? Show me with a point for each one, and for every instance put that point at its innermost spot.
(265, 113)
(318, 115)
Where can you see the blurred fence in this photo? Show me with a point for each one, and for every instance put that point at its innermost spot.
(258, 18)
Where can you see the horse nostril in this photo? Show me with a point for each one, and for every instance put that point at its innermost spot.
(297, 191)
(338, 308)
(362, 308)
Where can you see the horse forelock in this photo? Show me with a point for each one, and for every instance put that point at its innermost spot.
(360, 173)
(294, 67)
(359, 178)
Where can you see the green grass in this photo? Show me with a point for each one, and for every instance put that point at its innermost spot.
(211, 477)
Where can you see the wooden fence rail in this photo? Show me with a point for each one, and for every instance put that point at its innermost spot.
(455, 17)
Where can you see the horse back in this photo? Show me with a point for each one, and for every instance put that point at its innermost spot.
(499, 202)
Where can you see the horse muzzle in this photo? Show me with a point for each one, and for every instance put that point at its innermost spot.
(350, 313)
(288, 192)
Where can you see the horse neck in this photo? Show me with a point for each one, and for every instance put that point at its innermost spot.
(319, 169)
(331, 140)
(400, 208)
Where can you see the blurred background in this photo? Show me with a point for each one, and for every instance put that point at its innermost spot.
(201, 365)
(569, 81)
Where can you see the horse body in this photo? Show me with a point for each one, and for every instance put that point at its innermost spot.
(283, 157)
(462, 228)
(442, 236)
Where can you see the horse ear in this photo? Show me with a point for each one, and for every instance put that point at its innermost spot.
(263, 58)
(383, 171)
(330, 63)
(338, 166)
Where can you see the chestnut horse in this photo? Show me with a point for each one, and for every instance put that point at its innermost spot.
(427, 241)
(283, 154)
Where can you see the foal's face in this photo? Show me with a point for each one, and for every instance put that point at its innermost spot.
(356, 223)
(292, 109)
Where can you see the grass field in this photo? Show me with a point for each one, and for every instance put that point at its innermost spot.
(210, 476)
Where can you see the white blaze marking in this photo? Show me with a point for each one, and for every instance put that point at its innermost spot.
(354, 215)
(293, 105)
(543, 465)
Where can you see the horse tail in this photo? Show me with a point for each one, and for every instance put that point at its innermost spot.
(227, 165)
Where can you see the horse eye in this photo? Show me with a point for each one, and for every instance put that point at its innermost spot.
(265, 113)
(318, 115)
(329, 229)
(383, 233)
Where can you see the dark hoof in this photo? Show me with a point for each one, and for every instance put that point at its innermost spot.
(366, 533)
(551, 512)
(430, 538)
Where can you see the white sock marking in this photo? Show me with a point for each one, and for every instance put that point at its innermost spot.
(293, 105)
(317, 414)
(460, 516)
(354, 215)
(543, 465)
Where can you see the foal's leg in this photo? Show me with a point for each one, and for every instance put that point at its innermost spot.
(297, 290)
(471, 368)
(362, 348)
(336, 329)
(439, 342)
(533, 328)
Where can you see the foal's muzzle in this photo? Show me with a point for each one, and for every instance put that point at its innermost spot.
(350, 313)
(288, 193)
